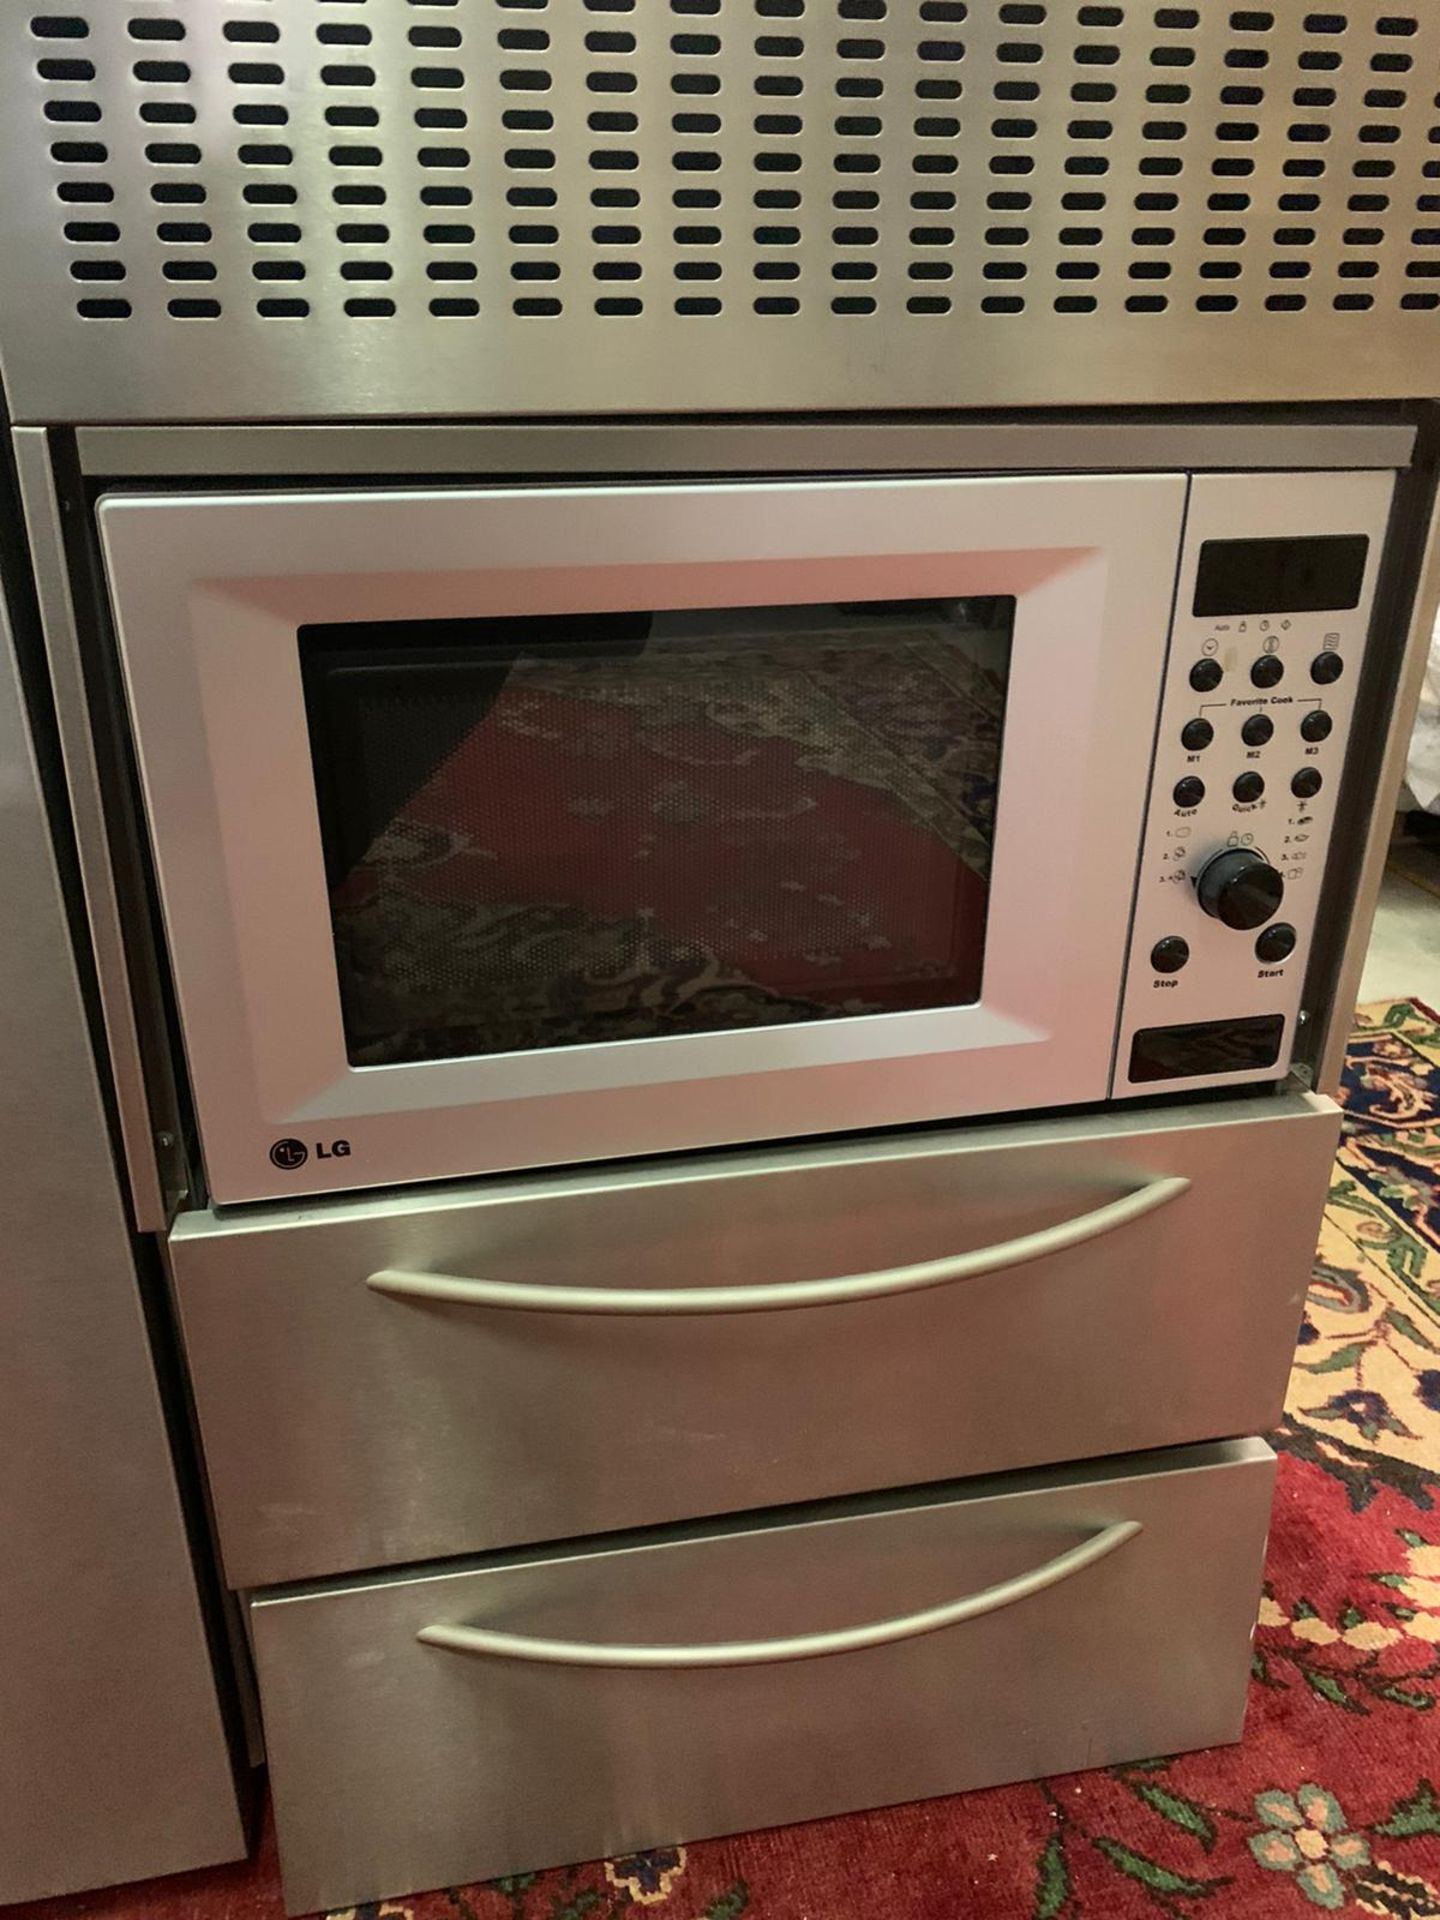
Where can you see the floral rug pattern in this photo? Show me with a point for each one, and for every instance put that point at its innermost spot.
(1364, 1398)
(1331, 1804)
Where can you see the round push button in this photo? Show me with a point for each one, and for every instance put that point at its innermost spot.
(1206, 675)
(1189, 792)
(1307, 783)
(1248, 788)
(1326, 669)
(1316, 726)
(1275, 944)
(1170, 954)
(1196, 734)
(1268, 670)
(1258, 730)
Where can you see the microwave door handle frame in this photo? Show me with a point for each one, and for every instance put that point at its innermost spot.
(459, 1638)
(659, 1302)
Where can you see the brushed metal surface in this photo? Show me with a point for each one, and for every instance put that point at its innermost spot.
(113, 1756)
(282, 210)
(208, 592)
(543, 450)
(343, 1429)
(400, 1765)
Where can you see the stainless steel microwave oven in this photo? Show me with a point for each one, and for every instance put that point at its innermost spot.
(500, 828)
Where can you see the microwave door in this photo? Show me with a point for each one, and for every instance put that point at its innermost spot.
(507, 829)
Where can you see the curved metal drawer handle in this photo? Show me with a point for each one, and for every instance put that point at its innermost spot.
(755, 1653)
(407, 1285)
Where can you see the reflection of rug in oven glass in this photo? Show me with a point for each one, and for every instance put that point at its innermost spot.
(682, 843)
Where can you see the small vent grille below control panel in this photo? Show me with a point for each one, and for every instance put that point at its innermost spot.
(270, 209)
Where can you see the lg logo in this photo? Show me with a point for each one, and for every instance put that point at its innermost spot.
(290, 1155)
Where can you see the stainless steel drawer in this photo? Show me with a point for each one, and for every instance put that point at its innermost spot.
(460, 1722)
(1014, 1295)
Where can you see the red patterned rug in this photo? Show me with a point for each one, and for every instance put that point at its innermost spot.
(1331, 1802)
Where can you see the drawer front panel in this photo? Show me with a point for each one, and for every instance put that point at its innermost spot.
(346, 1427)
(400, 1762)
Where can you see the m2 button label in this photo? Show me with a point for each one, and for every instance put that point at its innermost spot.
(291, 1155)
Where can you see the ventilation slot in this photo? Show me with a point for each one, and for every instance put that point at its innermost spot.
(95, 267)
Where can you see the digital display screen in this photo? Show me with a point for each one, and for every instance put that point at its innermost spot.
(1320, 575)
(1211, 1046)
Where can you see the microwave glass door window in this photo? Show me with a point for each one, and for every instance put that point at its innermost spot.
(548, 831)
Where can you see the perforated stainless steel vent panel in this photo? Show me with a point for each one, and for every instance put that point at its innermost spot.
(261, 209)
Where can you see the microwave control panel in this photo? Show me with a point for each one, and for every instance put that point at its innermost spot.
(1273, 607)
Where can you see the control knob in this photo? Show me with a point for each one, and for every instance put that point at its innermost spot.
(1241, 888)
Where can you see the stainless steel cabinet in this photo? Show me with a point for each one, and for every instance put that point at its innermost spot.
(458, 1722)
(393, 1379)
(114, 1763)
